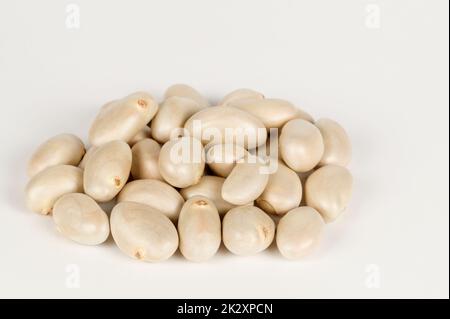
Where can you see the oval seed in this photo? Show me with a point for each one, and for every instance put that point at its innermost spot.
(146, 132)
(299, 232)
(282, 193)
(241, 94)
(226, 124)
(247, 230)
(338, 149)
(221, 158)
(86, 156)
(107, 170)
(199, 229)
(211, 188)
(274, 113)
(145, 155)
(60, 149)
(143, 232)
(301, 145)
(155, 194)
(46, 187)
(182, 162)
(246, 182)
(183, 90)
(123, 119)
(79, 218)
(328, 190)
(170, 119)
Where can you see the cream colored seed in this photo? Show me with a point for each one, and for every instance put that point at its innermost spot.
(282, 193)
(299, 232)
(145, 160)
(170, 119)
(301, 145)
(79, 218)
(183, 90)
(199, 229)
(241, 94)
(154, 193)
(274, 113)
(247, 230)
(145, 133)
(123, 119)
(337, 146)
(46, 187)
(222, 158)
(107, 170)
(86, 156)
(143, 232)
(328, 190)
(59, 150)
(182, 162)
(211, 188)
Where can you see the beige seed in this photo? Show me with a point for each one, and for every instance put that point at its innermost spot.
(86, 156)
(211, 188)
(299, 232)
(123, 119)
(143, 232)
(182, 162)
(144, 164)
(170, 119)
(145, 133)
(328, 190)
(282, 193)
(221, 158)
(79, 218)
(301, 145)
(274, 113)
(154, 193)
(183, 90)
(241, 94)
(226, 124)
(59, 150)
(338, 149)
(247, 230)
(107, 170)
(44, 189)
(199, 229)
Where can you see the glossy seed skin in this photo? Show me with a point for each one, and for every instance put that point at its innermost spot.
(328, 190)
(145, 133)
(301, 145)
(211, 188)
(274, 113)
(170, 119)
(123, 119)
(299, 232)
(226, 124)
(337, 145)
(241, 94)
(154, 193)
(247, 230)
(245, 183)
(221, 158)
(107, 170)
(145, 155)
(62, 149)
(282, 193)
(79, 218)
(199, 229)
(143, 232)
(86, 156)
(44, 189)
(183, 90)
(182, 162)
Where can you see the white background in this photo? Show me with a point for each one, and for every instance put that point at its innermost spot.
(387, 84)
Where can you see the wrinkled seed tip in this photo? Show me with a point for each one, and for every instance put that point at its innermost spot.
(201, 202)
(142, 103)
(117, 181)
(139, 254)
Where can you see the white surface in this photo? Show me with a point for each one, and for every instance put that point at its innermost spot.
(387, 86)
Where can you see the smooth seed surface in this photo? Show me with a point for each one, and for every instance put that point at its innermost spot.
(79, 218)
(199, 229)
(337, 146)
(86, 156)
(183, 90)
(241, 94)
(328, 190)
(143, 232)
(299, 232)
(145, 133)
(154, 193)
(221, 158)
(62, 149)
(247, 230)
(144, 163)
(46, 187)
